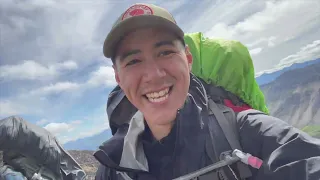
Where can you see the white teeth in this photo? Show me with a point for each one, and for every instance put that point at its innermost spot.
(158, 96)
(161, 93)
(159, 99)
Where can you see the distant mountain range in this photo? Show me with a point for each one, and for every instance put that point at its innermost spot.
(292, 94)
(269, 77)
(88, 143)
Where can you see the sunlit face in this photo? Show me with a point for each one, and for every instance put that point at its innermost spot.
(152, 67)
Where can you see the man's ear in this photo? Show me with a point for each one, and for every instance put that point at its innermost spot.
(189, 57)
(116, 75)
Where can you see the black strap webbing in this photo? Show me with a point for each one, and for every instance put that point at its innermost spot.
(230, 131)
(227, 127)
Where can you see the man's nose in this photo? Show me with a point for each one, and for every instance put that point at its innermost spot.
(153, 70)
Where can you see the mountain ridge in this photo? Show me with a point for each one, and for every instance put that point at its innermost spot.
(294, 96)
(88, 143)
(266, 78)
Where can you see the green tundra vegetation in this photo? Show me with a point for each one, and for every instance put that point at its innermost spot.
(313, 130)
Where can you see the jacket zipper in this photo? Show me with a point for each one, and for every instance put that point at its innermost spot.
(176, 142)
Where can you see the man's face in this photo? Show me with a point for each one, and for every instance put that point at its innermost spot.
(152, 68)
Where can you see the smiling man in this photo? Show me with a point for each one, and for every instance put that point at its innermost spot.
(154, 74)
(177, 129)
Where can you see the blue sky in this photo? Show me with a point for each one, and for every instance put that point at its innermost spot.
(53, 72)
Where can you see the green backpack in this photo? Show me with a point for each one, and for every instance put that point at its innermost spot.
(226, 64)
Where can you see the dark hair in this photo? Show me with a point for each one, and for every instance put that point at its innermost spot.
(113, 60)
(182, 41)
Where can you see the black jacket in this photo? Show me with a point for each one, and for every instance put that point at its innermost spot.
(287, 152)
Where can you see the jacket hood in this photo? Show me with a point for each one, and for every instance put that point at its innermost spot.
(123, 151)
(120, 110)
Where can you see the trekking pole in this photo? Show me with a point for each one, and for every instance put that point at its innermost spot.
(227, 161)
(236, 155)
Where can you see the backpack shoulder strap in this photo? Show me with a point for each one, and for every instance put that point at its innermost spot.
(226, 119)
(228, 126)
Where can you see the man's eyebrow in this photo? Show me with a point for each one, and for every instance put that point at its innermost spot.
(129, 53)
(163, 43)
(136, 51)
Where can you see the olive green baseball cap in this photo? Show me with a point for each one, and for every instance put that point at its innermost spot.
(139, 15)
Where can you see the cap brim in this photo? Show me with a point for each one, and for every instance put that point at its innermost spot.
(133, 23)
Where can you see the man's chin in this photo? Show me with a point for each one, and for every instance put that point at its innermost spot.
(163, 121)
(160, 116)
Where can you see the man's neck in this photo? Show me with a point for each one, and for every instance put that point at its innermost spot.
(160, 131)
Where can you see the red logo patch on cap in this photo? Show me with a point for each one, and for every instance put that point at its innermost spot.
(137, 10)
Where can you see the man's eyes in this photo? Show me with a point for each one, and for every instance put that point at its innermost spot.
(132, 62)
(165, 53)
(161, 54)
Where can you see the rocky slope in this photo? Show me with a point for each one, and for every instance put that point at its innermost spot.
(86, 160)
(295, 96)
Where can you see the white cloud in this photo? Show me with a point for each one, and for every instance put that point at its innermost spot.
(82, 131)
(58, 128)
(255, 51)
(23, 104)
(279, 28)
(308, 52)
(76, 122)
(31, 70)
(42, 122)
(42, 3)
(68, 65)
(27, 70)
(61, 129)
(56, 88)
(103, 76)
(98, 121)
(261, 20)
(270, 41)
(94, 130)
(52, 31)
(9, 108)
(35, 101)
(274, 20)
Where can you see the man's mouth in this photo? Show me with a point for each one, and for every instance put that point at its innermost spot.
(160, 96)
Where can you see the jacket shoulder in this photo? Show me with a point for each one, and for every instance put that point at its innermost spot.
(279, 145)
